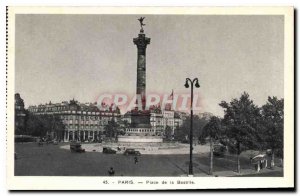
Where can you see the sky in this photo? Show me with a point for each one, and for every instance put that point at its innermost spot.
(61, 57)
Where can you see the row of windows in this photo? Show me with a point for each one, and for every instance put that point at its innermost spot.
(81, 117)
(86, 133)
(82, 127)
(85, 117)
(83, 122)
(47, 109)
(65, 109)
(140, 130)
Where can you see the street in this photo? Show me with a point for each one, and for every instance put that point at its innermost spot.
(51, 160)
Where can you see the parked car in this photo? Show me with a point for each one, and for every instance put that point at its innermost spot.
(219, 150)
(107, 150)
(76, 147)
(131, 151)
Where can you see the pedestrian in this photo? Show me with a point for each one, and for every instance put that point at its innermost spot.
(136, 160)
(261, 164)
(111, 171)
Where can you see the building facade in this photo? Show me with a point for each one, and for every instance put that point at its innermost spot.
(156, 120)
(83, 122)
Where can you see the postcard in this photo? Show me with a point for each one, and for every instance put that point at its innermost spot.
(150, 98)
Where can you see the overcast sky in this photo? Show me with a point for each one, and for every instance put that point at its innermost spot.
(60, 57)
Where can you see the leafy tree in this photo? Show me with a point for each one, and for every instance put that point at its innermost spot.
(182, 133)
(212, 130)
(168, 133)
(273, 115)
(241, 120)
(126, 125)
(36, 126)
(58, 127)
(43, 125)
(112, 129)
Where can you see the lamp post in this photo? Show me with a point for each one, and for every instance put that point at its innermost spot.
(192, 83)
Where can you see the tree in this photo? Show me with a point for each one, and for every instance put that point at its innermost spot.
(126, 125)
(241, 120)
(182, 133)
(36, 126)
(168, 133)
(112, 129)
(212, 130)
(44, 125)
(58, 127)
(272, 119)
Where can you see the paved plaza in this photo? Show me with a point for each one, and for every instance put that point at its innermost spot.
(56, 160)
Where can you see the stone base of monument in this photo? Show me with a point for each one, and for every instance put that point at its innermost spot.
(140, 135)
(139, 139)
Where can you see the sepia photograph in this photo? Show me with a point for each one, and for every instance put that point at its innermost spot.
(150, 98)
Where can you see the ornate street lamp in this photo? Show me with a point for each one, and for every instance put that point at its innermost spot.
(192, 83)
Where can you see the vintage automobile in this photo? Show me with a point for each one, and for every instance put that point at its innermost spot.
(219, 150)
(108, 150)
(76, 147)
(130, 151)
